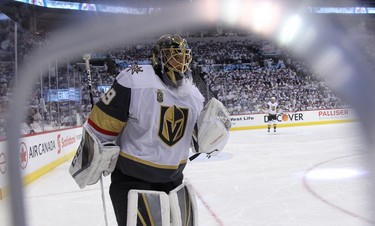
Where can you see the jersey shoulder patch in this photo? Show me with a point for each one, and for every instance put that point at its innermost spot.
(134, 69)
(138, 76)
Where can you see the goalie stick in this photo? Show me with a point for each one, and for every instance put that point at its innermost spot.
(191, 158)
(87, 57)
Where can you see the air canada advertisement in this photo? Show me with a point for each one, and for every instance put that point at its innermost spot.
(37, 151)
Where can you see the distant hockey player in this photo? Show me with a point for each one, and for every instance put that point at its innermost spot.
(152, 114)
(273, 109)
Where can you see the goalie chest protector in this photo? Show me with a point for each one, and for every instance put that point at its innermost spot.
(156, 139)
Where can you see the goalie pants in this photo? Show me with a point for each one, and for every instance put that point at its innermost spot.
(120, 186)
(272, 119)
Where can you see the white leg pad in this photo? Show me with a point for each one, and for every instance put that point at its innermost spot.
(148, 208)
(183, 206)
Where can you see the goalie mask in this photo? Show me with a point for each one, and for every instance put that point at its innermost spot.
(171, 58)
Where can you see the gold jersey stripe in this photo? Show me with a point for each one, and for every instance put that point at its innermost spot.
(105, 121)
(144, 162)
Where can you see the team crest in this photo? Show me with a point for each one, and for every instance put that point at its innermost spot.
(159, 95)
(135, 69)
(172, 124)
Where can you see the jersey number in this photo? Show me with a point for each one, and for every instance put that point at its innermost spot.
(108, 96)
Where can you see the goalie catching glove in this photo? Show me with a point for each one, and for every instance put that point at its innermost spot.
(212, 130)
(93, 159)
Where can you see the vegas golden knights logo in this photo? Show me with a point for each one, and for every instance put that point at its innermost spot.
(172, 124)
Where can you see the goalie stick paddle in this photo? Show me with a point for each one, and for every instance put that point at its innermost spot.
(87, 57)
(191, 158)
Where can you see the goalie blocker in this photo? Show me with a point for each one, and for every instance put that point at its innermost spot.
(93, 159)
(146, 207)
(211, 132)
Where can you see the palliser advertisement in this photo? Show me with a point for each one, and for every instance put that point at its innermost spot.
(335, 114)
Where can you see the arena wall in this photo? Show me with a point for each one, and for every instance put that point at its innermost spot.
(39, 154)
(299, 118)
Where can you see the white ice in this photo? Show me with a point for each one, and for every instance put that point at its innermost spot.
(298, 176)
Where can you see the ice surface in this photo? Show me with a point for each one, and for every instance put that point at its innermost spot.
(298, 176)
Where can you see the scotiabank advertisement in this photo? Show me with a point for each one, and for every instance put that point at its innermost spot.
(40, 150)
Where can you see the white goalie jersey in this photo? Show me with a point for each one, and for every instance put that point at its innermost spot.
(139, 108)
(272, 108)
(151, 123)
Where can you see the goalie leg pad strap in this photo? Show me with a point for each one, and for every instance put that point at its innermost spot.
(148, 208)
(183, 206)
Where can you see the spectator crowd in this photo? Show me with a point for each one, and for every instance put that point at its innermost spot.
(243, 72)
